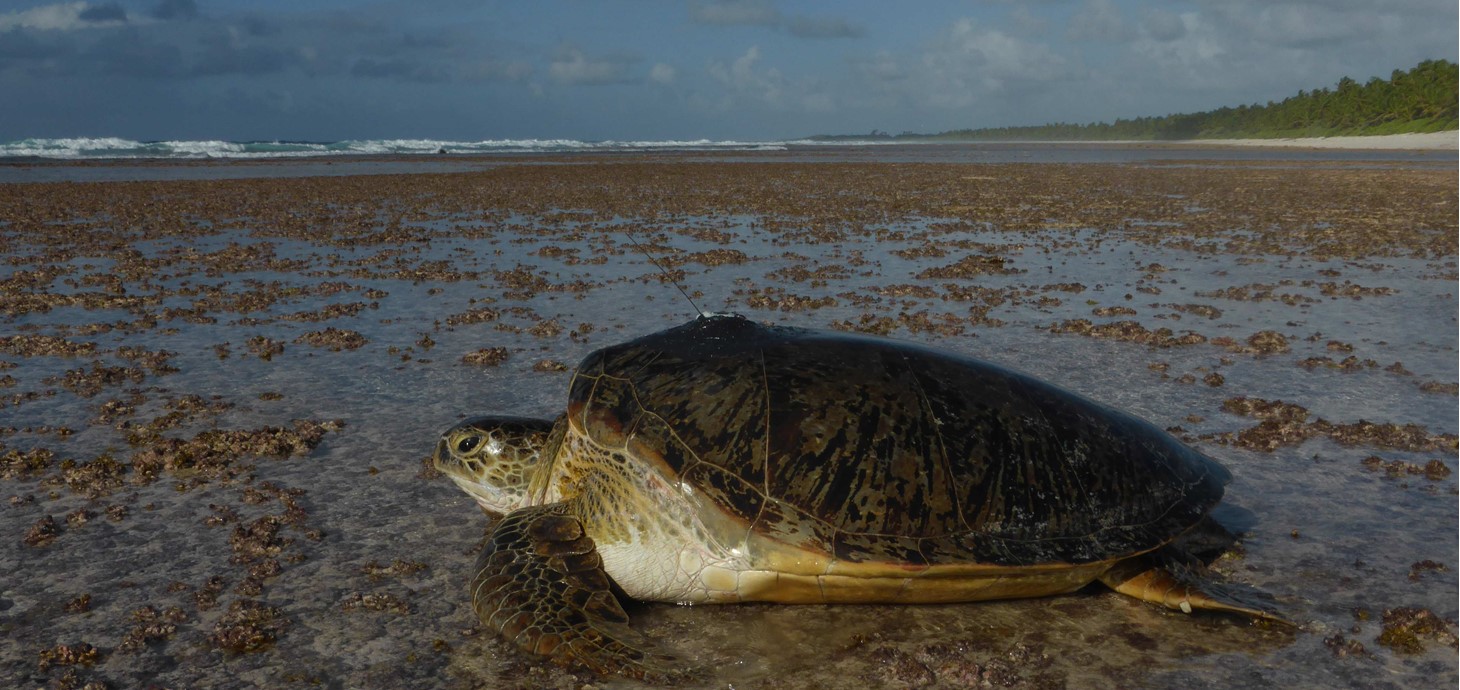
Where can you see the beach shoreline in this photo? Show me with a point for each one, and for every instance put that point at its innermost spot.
(1420, 141)
(1402, 150)
(1414, 141)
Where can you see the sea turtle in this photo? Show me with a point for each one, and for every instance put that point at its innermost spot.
(729, 461)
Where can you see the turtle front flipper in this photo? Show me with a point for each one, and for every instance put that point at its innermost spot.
(541, 584)
(1171, 579)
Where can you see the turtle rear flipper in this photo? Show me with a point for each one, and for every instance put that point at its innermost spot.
(1171, 579)
(541, 584)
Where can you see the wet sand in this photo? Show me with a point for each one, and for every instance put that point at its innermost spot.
(217, 399)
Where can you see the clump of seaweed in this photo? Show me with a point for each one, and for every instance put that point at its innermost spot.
(23, 464)
(336, 339)
(1285, 424)
(1434, 470)
(88, 382)
(47, 345)
(80, 654)
(970, 267)
(486, 357)
(94, 478)
(397, 569)
(1406, 628)
(1129, 331)
(151, 626)
(265, 347)
(375, 601)
(248, 626)
(43, 532)
(213, 453)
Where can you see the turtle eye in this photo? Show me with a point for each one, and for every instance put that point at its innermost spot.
(469, 443)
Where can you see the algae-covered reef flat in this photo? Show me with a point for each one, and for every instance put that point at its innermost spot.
(218, 398)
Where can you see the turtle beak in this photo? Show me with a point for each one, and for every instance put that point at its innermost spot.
(450, 464)
(442, 457)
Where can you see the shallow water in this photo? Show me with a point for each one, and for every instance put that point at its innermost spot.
(118, 170)
(1336, 542)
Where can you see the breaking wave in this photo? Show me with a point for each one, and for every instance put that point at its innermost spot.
(112, 147)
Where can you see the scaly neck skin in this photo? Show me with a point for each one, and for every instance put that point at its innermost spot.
(540, 481)
(647, 530)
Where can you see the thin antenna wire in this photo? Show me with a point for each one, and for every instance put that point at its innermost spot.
(657, 265)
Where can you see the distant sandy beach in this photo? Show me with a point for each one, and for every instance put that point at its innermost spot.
(1428, 141)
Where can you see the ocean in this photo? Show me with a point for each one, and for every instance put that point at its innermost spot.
(87, 148)
(103, 159)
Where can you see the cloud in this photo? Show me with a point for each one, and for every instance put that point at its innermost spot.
(175, 9)
(496, 70)
(1098, 20)
(66, 16)
(17, 45)
(102, 14)
(754, 88)
(1238, 35)
(172, 41)
(750, 68)
(265, 100)
(763, 14)
(398, 69)
(742, 77)
(883, 67)
(217, 59)
(1027, 23)
(259, 26)
(571, 66)
(1312, 25)
(1227, 51)
(970, 61)
(1163, 26)
(735, 13)
(746, 82)
(661, 73)
(130, 53)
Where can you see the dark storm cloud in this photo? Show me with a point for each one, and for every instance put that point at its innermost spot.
(129, 52)
(354, 24)
(259, 26)
(401, 70)
(175, 42)
(20, 45)
(219, 58)
(110, 12)
(414, 41)
(496, 70)
(175, 9)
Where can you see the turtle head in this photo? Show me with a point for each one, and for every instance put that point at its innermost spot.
(497, 459)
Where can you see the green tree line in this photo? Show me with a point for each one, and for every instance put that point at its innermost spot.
(1422, 99)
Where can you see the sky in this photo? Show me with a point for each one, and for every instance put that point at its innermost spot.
(747, 70)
